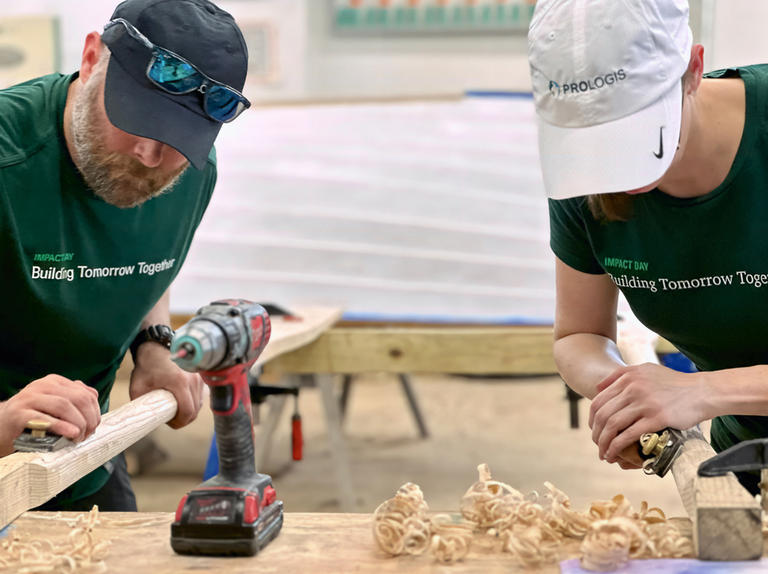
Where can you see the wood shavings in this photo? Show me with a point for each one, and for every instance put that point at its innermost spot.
(400, 524)
(532, 528)
(416, 535)
(451, 538)
(80, 553)
(610, 543)
(488, 503)
(531, 546)
(648, 533)
(562, 517)
(667, 541)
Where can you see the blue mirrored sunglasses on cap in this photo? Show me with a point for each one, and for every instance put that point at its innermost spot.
(175, 75)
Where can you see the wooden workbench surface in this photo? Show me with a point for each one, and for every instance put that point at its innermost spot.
(308, 543)
(316, 543)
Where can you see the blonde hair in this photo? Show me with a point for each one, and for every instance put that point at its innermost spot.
(611, 206)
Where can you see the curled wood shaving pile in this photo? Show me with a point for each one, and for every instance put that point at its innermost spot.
(532, 528)
(401, 524)
(80, 552)
(451, 538)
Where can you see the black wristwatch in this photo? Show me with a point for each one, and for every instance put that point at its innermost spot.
(161, 334)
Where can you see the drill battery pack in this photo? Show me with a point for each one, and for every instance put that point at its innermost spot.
(225, 521)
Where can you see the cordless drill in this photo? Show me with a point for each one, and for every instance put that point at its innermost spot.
(235, 512)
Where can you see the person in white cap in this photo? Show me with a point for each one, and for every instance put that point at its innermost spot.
(658, 183)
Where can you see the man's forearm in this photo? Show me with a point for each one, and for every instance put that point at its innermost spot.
(585, 359)
(160, 314)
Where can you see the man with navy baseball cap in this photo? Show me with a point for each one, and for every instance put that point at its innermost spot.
(175, 74)
(104, 177)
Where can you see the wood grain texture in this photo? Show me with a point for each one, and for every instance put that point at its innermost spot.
(421, 349)
(294, 333)
(727, 519)
(311, 543)
(308, 543)
(30, 479)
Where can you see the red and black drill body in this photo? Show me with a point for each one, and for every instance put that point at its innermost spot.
(236, 512)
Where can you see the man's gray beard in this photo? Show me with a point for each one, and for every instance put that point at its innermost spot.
(118, 179)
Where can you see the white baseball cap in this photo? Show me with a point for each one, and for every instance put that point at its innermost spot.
(607, 87)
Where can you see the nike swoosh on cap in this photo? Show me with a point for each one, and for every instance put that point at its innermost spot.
(660, 154)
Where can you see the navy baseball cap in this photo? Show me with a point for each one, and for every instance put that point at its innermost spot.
(198, 31)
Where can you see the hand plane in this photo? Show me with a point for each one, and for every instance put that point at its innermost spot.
(660, 449)
(37, 438)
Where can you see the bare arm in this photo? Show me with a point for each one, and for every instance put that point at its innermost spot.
(585, 344)
(628, 401)
(154, 369)
(585, 329)
(160, 314)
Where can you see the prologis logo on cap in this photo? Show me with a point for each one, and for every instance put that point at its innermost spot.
(581, 86)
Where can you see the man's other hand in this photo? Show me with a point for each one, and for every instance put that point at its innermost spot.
(71, 407)
(155, 370)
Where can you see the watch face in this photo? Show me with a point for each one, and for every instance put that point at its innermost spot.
(162, 334)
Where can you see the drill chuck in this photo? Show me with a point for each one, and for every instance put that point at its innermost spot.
(199, 345)
(222, 334)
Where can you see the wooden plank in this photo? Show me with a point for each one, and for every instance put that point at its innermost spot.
(434, 349)
(29, 479)
(316, 543)
(292, 333)
(296, 332)
(727, 520)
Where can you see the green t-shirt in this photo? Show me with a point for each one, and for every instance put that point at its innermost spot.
(78, 274)
(695, 271)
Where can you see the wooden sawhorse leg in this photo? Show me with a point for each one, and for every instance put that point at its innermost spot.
(339, 455)
(336, 440)
(263, 440)
(405, 383)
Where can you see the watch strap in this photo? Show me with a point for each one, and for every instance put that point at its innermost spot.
(160, 334)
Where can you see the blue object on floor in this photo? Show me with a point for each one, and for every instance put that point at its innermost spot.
(212, 464)
(678, 362)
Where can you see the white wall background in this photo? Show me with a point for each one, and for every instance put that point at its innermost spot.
(733, 32)
(310, 62)
(76, 19)
(408, 66)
